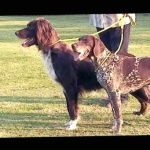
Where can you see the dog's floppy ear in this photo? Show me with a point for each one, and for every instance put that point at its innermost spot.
(98, 47)
(46, 34)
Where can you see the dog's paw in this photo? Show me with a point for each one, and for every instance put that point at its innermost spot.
(138, 113)
(117, 125)
(114, 125)
(71, 125)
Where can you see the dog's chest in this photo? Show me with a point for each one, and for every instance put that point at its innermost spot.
(49, 66)
(109, 74)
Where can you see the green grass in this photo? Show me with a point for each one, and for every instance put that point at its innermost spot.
(32, 105)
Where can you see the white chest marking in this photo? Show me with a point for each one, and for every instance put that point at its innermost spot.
(49, 66)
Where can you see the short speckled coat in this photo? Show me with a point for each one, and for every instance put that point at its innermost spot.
(118, 74)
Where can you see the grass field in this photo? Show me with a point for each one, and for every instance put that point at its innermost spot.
(32, 105)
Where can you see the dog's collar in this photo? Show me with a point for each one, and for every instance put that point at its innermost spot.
(101, 60)
(54, 43)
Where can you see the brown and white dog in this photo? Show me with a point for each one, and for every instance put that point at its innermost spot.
(74, 77)
(117, 73)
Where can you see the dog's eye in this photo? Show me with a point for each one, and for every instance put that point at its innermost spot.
(30, 26)
(84, 40)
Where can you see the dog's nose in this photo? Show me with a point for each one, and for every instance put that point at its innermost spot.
(16, 32)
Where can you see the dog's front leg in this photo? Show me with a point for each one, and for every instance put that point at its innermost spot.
(72, 107)
(117, 112)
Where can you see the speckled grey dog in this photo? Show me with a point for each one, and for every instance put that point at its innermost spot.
(117, 73)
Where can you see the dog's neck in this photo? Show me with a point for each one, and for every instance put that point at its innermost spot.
(103, 55)
(104, 58)
(51, 42)
(56, 48)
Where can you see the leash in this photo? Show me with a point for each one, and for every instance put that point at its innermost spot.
(109, 53)
(121, 23)
(64, 41)
(120, 20)
(74, 39)
(133, 23)
(54, 43)
(117, 22)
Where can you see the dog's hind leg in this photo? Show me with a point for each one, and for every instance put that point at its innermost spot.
(143, 96)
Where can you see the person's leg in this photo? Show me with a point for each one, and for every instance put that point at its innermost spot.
(115, 38)
(112, 38)
(105, 37)
(126, 38)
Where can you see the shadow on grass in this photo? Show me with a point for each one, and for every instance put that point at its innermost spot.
(26, 99)
(49, 100)
(41, 115)
(32, 120)
(37, 113)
